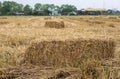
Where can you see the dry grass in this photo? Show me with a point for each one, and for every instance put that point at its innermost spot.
(95, 22)
(111, 25)
(47, 18)
(3, 17)
(16, 34)
(1, 23)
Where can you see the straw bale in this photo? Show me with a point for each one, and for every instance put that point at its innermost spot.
(54, 24)
(62, 53)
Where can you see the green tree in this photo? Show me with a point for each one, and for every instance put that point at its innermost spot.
(14, 7)
(37, 7)
(27, 9)
(20, 7)
(10, 6)
(6, 7)
(47, 8)
(57, 8)
(0, 6)
(17, 7)
(68, 8)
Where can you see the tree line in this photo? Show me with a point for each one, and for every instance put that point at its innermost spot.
(14, 8)
(11, 7)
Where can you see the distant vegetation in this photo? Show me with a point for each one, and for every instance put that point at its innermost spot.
(14, 8)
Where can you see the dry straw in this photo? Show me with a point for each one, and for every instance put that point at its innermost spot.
(47, 18)
(62, 53)
(3, 18)
(2, 23)
(54, 24)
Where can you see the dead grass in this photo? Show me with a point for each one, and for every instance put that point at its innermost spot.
(95, 22)
(3, 17)
(112, 17)
(3, 23)
(112, 25)
(47, 18)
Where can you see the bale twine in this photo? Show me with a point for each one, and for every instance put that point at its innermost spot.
(54, 24)
(62, 53)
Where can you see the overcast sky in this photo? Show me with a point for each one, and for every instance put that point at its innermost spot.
(109, 4)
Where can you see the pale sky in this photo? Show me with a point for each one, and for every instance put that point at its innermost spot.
(109, 4)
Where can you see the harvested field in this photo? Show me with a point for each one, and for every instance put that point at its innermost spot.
(68, 52)
(82, 47)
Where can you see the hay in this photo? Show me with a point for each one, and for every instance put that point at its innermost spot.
(112, 17)
(2, 23)
(95, 22)
(61, 74)
(111, 25)
(3, 18)
(62, 53)
(5, 74)
(47, 18)
(54, 24)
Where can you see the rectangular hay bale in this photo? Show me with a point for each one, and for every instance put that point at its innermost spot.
(62, 53)
(54, 24)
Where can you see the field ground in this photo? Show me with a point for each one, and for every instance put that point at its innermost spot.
(17, 32)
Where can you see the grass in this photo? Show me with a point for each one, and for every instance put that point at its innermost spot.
(17, 33)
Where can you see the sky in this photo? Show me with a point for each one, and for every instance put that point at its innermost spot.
(108, 4)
